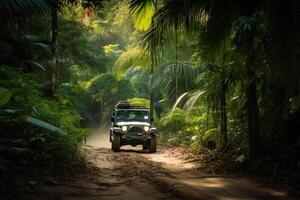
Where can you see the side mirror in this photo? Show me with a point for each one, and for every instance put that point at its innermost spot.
(151, 119)
(112, 118)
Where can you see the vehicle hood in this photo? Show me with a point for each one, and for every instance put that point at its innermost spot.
(133, 124)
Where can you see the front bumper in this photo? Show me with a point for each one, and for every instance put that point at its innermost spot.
(134, 138)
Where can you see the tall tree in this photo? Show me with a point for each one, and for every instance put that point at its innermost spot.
(223, 108)
(89, 4)
(55, 64)
(251, 93)
(214, 20)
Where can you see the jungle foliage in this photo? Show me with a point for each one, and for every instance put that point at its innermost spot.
(240, 51)
(57, 81)
(220, 76)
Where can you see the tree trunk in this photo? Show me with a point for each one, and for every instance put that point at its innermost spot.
(151, 104)
(224, 136)
(150, 85)
(253, 116)
(55, 70)
(177, 63)
(176, 88)
(252, 106)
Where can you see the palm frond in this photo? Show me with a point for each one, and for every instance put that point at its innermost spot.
(180, 68)
(174, 78)
(193, 96)
(45, 125)
(192, 100)
(43, 46)
(133, 57)
(174, 15)
(36, 64)
(142, 12)
(178, 100)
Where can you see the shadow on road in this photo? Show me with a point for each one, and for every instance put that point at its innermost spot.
(166, 175)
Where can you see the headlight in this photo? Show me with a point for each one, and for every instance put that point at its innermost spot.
(124, 128)
(146, 128)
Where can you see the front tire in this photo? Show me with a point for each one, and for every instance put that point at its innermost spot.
(116, 143)
(145, 147)
(152, 145)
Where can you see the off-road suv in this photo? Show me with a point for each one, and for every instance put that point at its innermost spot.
(132, 125)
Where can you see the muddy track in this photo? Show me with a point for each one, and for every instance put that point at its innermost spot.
(134, 174)
(176, 179)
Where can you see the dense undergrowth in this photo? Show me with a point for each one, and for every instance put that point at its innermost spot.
(29, 125)
(39, 137)
(202, 144)
(45, 112)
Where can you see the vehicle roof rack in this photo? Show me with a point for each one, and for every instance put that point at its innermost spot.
(126, 105)
(123, 104)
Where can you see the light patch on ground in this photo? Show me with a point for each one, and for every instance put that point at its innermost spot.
(136, 174)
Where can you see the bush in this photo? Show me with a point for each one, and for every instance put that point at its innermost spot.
(23, 142)
(189, 129)
(174, 120)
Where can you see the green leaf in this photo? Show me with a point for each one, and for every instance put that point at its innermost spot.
(45, 125)
(139, 102)
(142, 12)
(132, 57)
(5, 96)
(35, 64)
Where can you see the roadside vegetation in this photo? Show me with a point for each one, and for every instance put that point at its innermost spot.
(220, 78)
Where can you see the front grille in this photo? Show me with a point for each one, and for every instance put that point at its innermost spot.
(135, 129)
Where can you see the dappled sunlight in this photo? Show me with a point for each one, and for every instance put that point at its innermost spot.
(193, 99)
(183, 175)
(169, 162)
(230, 188)
(199, 182)
(99, 138)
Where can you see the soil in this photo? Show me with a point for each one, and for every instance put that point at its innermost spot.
(134, 174)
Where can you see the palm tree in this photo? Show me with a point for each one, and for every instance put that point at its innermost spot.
(133, 57)
(215, 21)
(175, 78)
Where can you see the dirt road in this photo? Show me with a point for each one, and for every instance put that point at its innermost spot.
(134, 174)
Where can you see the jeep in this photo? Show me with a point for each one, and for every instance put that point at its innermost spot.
(132, 125)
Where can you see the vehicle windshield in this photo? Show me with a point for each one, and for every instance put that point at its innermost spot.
(132, 115)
